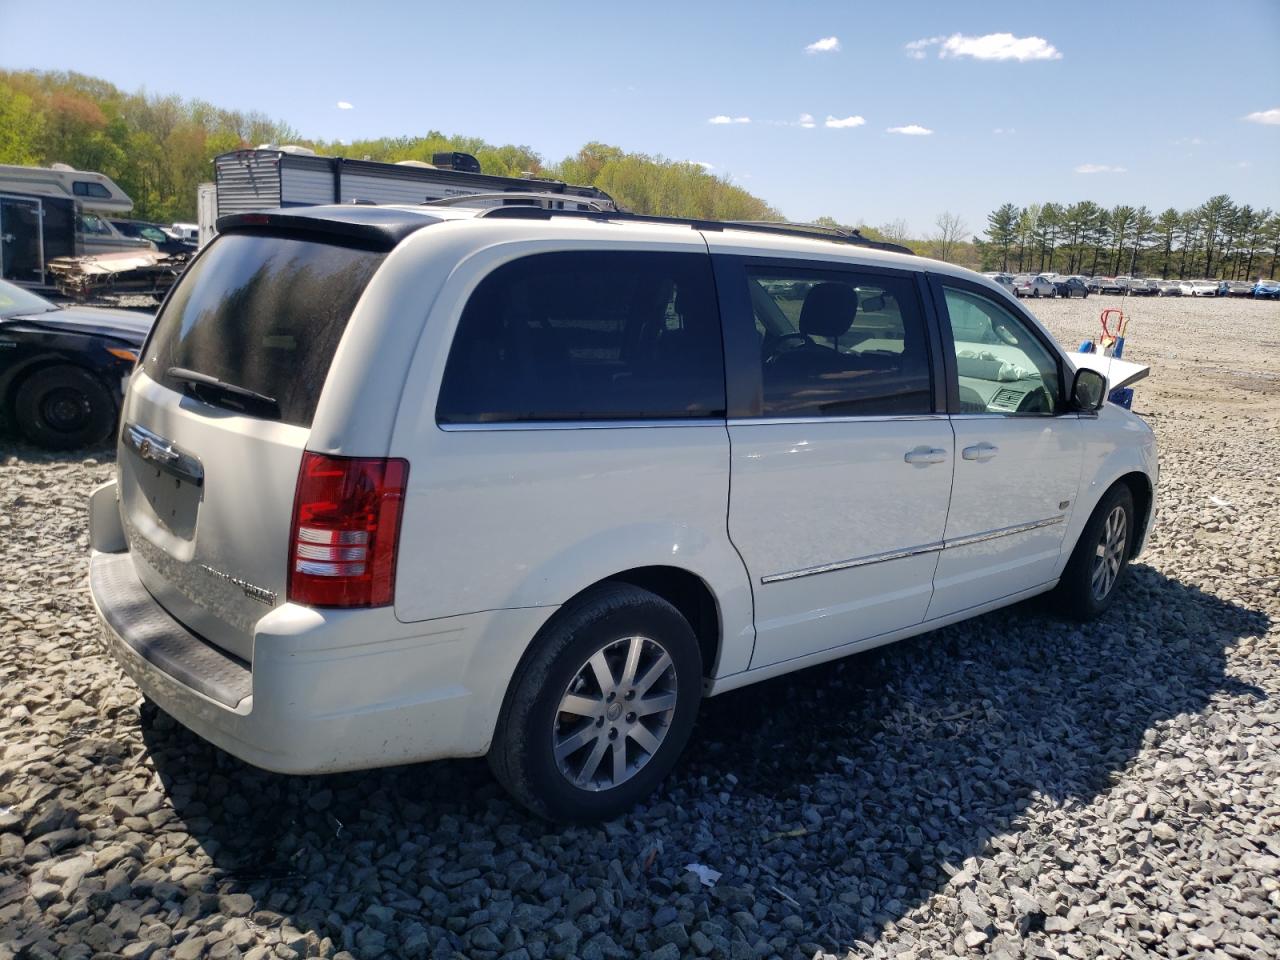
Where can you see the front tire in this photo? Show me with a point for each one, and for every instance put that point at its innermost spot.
(601, 706)
(64, 407)
(1100, 560)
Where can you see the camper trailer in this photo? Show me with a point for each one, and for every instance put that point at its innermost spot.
(57, 211)
(272, 176)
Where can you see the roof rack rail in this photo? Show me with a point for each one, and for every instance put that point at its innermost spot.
(529, 200)
(807, 231)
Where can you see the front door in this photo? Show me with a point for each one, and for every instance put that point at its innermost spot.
(841, 473)
(1019, 453)
(21, 248)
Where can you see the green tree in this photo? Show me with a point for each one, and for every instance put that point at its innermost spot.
(1002, 231)
(1215, 214)
(1166, 229)
(21, 127)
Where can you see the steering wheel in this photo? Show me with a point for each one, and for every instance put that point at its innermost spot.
(1038, 400)
(776, 348)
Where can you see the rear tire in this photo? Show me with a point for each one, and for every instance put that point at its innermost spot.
(1100, 560)
(64, 407)
(575, 744)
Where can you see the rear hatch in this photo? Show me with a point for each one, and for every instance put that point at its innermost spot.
(218, 415)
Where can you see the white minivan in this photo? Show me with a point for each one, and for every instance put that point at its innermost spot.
(403, 483)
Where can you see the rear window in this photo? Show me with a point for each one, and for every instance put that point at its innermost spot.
(263, 313)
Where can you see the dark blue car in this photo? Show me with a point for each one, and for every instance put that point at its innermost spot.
(62, 368)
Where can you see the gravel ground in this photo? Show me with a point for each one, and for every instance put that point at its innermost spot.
(1012, 786)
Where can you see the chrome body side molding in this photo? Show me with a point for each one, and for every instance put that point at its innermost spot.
(914, 551)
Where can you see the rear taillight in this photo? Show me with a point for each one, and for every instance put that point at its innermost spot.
(346, 528)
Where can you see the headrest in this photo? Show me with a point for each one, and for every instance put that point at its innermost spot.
(828, 310)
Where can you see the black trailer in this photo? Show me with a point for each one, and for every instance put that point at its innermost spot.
(34, 230)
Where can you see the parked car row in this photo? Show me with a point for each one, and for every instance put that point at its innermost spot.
(1078, 285)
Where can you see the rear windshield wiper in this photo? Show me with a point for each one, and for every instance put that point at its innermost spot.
(223, 394)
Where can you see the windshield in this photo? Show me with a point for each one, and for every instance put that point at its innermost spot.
(264, 314)
(15, 302)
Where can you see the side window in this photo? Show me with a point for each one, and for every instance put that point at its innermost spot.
(92, 223)
(1002, 366)
(591, 335)
(87, 188)
(838, 344)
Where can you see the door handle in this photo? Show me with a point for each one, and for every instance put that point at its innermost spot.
(925, 455)
(982, 452)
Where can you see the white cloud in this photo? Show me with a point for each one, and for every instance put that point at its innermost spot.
(703, 164)
(912, 130)
(1270, 117)
(916, 48)
(1003, 130)
(1190, 141)
(1099, 168)
(837, 123)
(990, 46)
(1244, 164)
(806, 120)
(343, 105)
(825, 45)
(724, 118)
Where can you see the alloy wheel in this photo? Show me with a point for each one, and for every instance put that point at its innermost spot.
(615, 713)
(1109, 554)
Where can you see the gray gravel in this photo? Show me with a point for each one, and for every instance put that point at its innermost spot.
(1013, 786)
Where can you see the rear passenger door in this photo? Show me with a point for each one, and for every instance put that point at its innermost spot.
(841, 460)
(1019, 451)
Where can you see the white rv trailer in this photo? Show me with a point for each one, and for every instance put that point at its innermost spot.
(247, 181)
(57, 211)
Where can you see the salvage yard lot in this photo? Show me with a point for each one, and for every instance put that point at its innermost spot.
(1013, 785)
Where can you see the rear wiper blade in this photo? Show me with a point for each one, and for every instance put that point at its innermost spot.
(223, 394)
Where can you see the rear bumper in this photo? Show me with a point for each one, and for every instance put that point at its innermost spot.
(328, 690)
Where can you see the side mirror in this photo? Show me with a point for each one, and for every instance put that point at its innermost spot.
(875, 304)
(1089, 390)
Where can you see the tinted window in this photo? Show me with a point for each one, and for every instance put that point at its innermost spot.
(588, 336)
(1002, 366)
(87, 188)
(264, 313)
(839, 344)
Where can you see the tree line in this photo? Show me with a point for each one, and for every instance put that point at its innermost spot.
(160, 148)
(1217, 240)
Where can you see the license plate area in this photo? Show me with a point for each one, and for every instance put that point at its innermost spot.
(174, 503)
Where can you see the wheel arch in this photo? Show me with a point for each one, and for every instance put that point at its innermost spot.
(1143, 494)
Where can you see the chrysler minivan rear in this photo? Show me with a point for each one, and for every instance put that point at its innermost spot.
(234, 568)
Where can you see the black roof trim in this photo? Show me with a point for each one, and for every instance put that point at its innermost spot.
(378, 227)
(806, 231)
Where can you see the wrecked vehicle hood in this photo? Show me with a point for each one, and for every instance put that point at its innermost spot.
(1119, 373)
(124, 324)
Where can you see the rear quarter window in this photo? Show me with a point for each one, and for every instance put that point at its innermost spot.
(265, 313)
(590, 335)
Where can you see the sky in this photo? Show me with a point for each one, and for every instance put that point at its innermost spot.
(865, 112)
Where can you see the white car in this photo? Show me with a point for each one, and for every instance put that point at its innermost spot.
(1203, 288)
(404, 483)
(1026, 285)
(188, 232)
